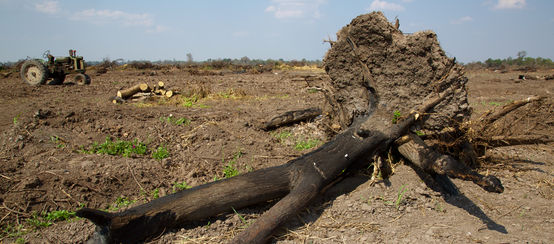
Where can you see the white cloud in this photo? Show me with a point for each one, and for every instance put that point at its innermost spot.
(49, 7)
(377, 5)
(107, 16)
(507, 4)
(462, 20)
(286, 9)
(111, 16)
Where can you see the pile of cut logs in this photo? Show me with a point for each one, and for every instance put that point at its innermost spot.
(142, 90)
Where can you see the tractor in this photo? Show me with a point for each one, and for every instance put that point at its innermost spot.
(38, 72)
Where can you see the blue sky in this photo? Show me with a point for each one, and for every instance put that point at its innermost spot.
(470, 30)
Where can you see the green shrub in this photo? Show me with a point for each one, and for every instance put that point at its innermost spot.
(118, 147)
(160, 153)
(306, 144)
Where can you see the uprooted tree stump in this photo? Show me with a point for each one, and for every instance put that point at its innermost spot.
(385, 87)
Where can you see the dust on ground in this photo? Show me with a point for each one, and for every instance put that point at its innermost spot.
(46, 129)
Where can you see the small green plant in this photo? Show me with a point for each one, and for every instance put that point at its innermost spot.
(16, 119)
(10, 231)
(192, 101)
(58, 141)
(282, 136)
(121, 202)
(400, 196)
(36, 222)
(59, 215)
(175, 121)
(118, 147)
(230, 168)
(160, 153)
(244, 222)
(20, 240)
(156, 193)
(179, 186)
(419, 133)
(395, 116)
(313, 90)
(306, 144)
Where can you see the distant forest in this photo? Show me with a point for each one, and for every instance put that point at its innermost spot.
(522, 62)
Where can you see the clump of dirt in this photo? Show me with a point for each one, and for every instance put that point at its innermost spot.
(372, 64)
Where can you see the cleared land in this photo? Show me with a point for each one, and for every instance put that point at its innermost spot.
(210, 130)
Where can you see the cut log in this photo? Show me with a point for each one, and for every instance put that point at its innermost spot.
(116, 100)
(169, 93)
(127, 93)
(291, 117)
(161, 85)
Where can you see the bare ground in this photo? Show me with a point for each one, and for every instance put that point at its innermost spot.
(43, 168)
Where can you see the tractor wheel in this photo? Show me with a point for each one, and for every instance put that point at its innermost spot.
(34, 72)
(82, 79)
(57, 79)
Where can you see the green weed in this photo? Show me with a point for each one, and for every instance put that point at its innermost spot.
(156, 193)
(59, 215)
(313, 90)
(121, 202)
(244, 222)
(10, 231)
(58, 141)
(306, 144)
(192, 101)
(419, 133)
(396, 115)
(160, 153)
(399, 196)
(16, 119)
(179, 186)
(47, 219)
(230, 168)
(175, 121)
(118, 147)
(282, 135)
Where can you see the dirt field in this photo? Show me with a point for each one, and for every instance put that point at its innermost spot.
(44, 166)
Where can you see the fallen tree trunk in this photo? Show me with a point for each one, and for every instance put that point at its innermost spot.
(291, 117)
